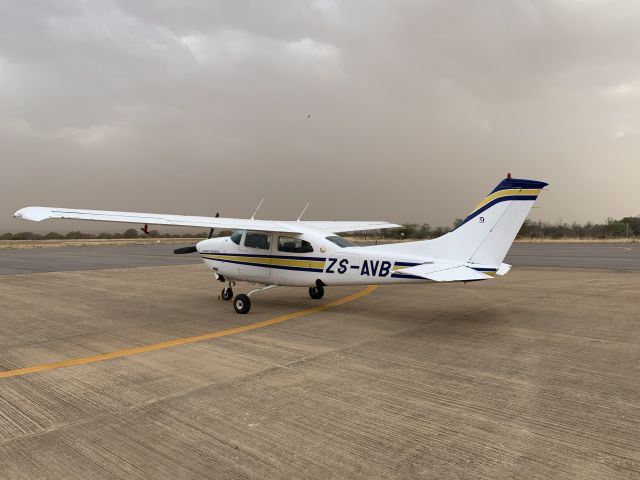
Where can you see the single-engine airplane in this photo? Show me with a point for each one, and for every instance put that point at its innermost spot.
(311, 254)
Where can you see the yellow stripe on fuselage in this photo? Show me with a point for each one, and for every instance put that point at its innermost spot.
(282, 262)
(506, 193)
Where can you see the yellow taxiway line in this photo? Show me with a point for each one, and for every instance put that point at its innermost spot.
(184, 341)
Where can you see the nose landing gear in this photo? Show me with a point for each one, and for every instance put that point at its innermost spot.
(316, 292)
(227, 292)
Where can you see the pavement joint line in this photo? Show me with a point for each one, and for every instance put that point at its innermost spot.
(186, 340)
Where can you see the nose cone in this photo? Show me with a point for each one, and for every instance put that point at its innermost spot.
(209, 245)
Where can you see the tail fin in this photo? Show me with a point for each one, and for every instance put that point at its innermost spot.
(485, 236)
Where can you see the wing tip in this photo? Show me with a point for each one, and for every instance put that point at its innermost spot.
(34, 214)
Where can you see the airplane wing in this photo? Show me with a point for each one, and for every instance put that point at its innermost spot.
(342, 226)
(444, 272)
(38, 214)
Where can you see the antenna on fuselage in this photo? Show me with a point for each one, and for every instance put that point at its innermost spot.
(257, 208)
(302, 212)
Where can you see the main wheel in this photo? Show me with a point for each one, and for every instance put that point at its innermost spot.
(316, 292)
(242, 303)
(227, 293)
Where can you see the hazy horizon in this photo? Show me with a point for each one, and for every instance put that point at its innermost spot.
(407, 111)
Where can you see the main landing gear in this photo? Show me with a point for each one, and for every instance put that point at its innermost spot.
(242, 302)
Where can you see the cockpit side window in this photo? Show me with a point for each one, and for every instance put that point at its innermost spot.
(341, 242)
(294, 245)
(257, 240)
(236, 237)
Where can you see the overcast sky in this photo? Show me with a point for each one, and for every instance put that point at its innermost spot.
(418, 108)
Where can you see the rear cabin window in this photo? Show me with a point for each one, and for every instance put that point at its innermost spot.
(294, 245)
(341, 242)
(236, 237)
(257, 240)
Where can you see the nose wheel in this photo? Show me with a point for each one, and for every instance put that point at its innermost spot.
(316, 292)
(227, 294)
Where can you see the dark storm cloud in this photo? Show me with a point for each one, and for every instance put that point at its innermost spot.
(417, 108)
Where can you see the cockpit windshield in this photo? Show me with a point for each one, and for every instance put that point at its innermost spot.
(236, 237)
(341, 242)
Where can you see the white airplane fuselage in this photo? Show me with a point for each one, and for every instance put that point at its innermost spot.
(277, 262)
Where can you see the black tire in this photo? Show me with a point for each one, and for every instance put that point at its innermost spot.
(316, 292)
(242, 303)
(227, 294)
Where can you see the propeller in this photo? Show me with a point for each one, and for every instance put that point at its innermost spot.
(192, 248)
(183, 250)
(213, 229)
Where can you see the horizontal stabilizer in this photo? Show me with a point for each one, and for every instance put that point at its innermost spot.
(444, 272)
(504, 269)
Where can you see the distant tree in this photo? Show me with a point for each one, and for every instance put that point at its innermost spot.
(526, 229)
(410, 230)
(424, 230)
(131, 233)
(6, 236)
(616, 228)
(439, 231)
(194, 235)
(26, 236)
(53, 236)
(634, 225)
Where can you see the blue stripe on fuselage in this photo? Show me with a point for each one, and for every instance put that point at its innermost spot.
(284, 257)
(268, 265)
